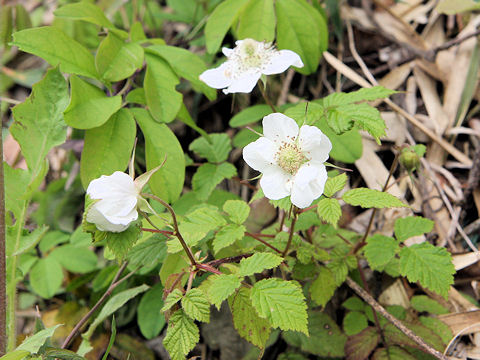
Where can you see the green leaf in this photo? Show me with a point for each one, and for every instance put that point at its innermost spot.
(325, 340)
(186, 65)
(354, 322)
(121, 243)
(46, 277)
(393, 353)
(163, 99)
(150, 320)
(148, 253)
(431, 266)
(55, 47)
(113, 304)
(117, 60)
(423, 303)
(75, 259)
(215, 151)
(437, 326)
(369, 198)
(27, 242)
(108, 148)
(323, 287)
(412, 226)
(208, 176)
(329, 210)
(173, 264)
(220, 21)
(16, 184)
(84, 11)
(89, 106)
(250, 115)
(380, 249)
(249, 325)
(64, 354)
(335, 184)
(35, 342)
(221, 287)
(196, 305)
(361, 345)
(160, 141)
(227, 235)
(354, 304)
(237, 210)
(136, 96)
(174, 297)
(364, 94)
(184, 116)
(39, 124)
(257, 21)
(6, 25)
(299, 27)
(258, 262)
(17, 354)
(182, 335)
(282, 303)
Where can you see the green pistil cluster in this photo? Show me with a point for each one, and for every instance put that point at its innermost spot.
(290, 158)
(252, 55)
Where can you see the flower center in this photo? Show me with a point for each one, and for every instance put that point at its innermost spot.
(290, 158)
(253, 54)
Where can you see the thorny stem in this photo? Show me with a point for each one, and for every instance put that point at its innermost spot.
(374, 212)
(115, 282)
(228, 260)
(165, 232)
(175, 226)
(256, 237)
(264, 94)
(292, 230)
(397, 323)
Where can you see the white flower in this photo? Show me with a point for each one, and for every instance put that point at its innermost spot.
(290, 159)
(245, 65)
(116, 207)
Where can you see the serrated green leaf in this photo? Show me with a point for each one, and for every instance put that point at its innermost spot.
(329, 210)
(334, 184)
(249, 325)
(368, 198)
(215, 151)
(439, 327)
(258, 262)
(423, 303)
(117, 60)
(362, 344)
(150, 319)
(121, 243)
(323, 287)
(341, 263)
(148, 253)
(393, 353)
(250, 115)
(282, 303)
(108, 148)
(113, 304)
(186, 65)
(412, 226)
(257, 21)
(227, 235)
(220, 21)
(46, 277)
(172, 298)
(325, 340)
(364, 94)
(237, 210)
(196, 305)
(182, 335)
(430, 265)
(35, 342)
(221, 287)
(39, 124)
(160, 141)
(380, 249)
(54, 46)
(354, 322)
(208, 176)
(89, 106)
(160, 83)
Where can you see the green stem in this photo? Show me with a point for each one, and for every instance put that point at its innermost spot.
(264, 94)
(3, 268)
(292, 230)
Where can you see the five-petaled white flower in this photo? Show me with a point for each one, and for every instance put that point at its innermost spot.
(245, 65)
(291, 160)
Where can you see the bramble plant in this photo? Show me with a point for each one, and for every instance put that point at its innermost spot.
(184, 250)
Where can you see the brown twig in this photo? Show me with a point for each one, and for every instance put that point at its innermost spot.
(263, 242)
(397, 323)
(228, 260)
(115, 282)
(165, 232)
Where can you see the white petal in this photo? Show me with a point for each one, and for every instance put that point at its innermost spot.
(116, 206)
(314, 143)
(260, 154)
(227, 52)
(217, 78)
(281, 60)
(275, 183)
(244, 83)
(102, 224)
(116, 185)
(123, 220)
(279, 128)
(308, 184)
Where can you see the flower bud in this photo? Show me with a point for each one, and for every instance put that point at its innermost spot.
(409, 159)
